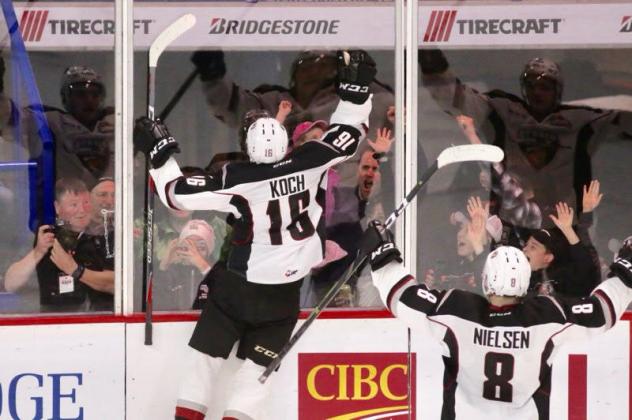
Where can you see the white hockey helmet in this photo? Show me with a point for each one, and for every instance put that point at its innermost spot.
(266, 141)
(506, 272)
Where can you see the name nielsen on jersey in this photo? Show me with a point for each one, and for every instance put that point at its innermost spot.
(508, 339)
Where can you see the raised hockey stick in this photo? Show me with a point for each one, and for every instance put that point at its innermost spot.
(454, 154)
(162, 41)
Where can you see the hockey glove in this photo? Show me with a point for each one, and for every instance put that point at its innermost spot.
(622, 265)
(356, 70)
(378, 245)
(154, 140)
(210, 64)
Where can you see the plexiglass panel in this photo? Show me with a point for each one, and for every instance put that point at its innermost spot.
(57, 157)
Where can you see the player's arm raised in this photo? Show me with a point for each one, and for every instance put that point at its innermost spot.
(198, 192)
(350, 121)
(605, 305)
(399, 290)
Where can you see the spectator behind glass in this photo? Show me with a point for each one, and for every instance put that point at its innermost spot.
(83, 132)
(560, 262)
(309, 131)
(311, 90)
(168, 231)
(510, 199)
(187, 262)
(102, 197)
(311, 93)
(354, 207)
(473, 236)
(543, 140)
(74, 270)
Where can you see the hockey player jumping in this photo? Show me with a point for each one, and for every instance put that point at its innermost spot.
(277, 238)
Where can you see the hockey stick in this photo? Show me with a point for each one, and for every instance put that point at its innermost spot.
(178, 95)
(162, 41)
(454, 154)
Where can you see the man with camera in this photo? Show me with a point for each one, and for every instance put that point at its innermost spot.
(73, 270)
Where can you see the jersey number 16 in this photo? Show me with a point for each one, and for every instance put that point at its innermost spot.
(300, 227)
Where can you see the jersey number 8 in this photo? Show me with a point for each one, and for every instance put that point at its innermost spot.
(586, 308)
(499, 370)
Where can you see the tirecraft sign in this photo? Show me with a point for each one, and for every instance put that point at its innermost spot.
(345, 386)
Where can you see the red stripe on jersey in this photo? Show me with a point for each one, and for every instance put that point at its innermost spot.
(396, 288)
(188, 414)
(169, 202)
(577, 387)
(606, 298)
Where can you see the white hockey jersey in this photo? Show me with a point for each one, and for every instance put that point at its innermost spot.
(497, 359)
(279, 233)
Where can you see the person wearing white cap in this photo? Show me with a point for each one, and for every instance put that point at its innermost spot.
(186, 263)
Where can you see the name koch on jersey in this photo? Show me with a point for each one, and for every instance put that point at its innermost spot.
(286, 186)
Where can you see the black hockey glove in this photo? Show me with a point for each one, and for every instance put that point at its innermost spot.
(622, 265)
(432, 61)
(354, 76)
(154, 140)
(210, 64)
(378, 245)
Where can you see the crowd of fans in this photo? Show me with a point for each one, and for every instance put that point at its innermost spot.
(532, 201)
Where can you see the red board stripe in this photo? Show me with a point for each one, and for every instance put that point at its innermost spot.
(577, 387)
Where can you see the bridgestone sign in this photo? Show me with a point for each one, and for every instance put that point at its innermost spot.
(274, 27)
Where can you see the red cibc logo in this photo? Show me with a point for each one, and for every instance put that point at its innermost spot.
(350, 386)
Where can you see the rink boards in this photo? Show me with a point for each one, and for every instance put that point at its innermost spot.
(98, 367)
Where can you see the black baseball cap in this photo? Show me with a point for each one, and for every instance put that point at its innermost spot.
(554, 241)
